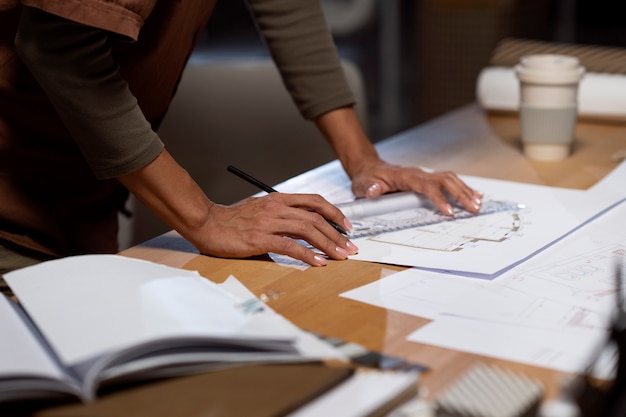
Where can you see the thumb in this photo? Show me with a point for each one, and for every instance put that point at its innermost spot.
(374, 190)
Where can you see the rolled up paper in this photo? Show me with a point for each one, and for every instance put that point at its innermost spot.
(365, 207)
(600, 95)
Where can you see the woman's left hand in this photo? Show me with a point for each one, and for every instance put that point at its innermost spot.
(380, 178)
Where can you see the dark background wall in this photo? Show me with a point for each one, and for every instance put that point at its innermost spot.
(420, 58)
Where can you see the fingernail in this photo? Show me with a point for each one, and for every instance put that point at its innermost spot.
(352, 247)
(373, 189)
(449, 209)
(347, 224)
(341, 251)
(321, 261)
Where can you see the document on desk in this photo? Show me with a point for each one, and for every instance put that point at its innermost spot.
(488, 319)
(552, 311)
(485, 245)
(99, 320)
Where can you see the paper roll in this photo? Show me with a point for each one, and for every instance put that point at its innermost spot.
(364, 207)
(600, 95)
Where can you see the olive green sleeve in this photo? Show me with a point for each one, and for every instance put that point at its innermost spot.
(73, 64)
(301, 45)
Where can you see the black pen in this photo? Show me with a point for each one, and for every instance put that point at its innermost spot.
(269, 189)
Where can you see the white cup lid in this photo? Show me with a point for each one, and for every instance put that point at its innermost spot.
(550, 69)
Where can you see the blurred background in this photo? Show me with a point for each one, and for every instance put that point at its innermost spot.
(420, 58)
(409, 61)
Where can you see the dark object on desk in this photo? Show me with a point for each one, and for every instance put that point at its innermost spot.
(363, 357)
(258, 390)
(594, 398)
(269, 189)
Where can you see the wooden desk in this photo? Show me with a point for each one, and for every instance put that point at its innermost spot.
(466, 141)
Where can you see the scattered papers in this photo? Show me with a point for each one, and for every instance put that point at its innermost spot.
(553, 310)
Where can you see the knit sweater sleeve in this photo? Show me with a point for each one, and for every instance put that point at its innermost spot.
(301, 45)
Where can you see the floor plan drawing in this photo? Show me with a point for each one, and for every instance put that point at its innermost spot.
(455, 236)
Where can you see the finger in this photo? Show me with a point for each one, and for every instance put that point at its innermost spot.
(304, 209)
(316, 203)
(374, 190)
(289, 247)
(371, 186)
(462, 193)
(295, 215)
(316, 231)
(439, 199)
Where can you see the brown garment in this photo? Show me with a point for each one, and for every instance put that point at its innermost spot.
(50, 198)
(124, 17)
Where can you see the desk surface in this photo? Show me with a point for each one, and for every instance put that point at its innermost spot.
(466, 141)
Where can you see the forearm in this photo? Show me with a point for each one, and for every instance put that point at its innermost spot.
(343, 131)
(169, 191)
(251, 227)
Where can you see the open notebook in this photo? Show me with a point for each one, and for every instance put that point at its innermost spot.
(89, 322)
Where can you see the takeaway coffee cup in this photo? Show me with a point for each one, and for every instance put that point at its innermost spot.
(548, 104)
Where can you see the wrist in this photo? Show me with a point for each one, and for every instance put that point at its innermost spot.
(343, 131)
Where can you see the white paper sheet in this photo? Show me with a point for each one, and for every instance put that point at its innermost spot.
(565, 350)
(432, 295)
(579, 270)
(20, 352)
